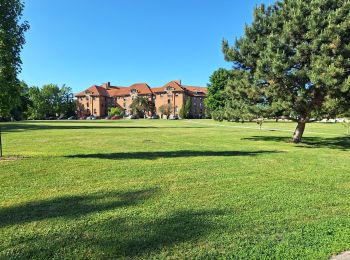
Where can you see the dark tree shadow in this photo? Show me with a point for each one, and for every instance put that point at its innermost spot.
(21, 127)
(153, 236)
(121, 238)
(342, 143)
(167, 154)
(71, 206)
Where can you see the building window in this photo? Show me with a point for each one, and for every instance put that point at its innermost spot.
(124, 99)
(87, 98)
(94, 98)
(81, 98)
(177, 94)
(124, 105)
(94, 110)
(87, 105)
(161, 95)
(176, 109)
(169, 101)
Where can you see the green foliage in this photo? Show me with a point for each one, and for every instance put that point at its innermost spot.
(50, 100)
(12, 30)
(216, 91)
(296, 57)
(116, 111)
(139, 106)
(19, 112)
(186, 109)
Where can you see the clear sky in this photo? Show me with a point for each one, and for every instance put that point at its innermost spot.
(86, 42)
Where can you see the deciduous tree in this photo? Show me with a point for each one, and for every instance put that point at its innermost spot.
(12, 30)
(215, 101)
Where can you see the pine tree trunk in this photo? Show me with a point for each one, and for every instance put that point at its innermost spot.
(299, 131)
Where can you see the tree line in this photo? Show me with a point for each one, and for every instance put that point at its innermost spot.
(293, 61)
(41, 103)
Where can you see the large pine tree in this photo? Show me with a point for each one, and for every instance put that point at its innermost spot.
(294, 57)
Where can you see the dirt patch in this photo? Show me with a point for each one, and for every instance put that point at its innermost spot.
(10, 158)
(342, 256)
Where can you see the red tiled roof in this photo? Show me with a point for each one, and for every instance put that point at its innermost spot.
(161, 89)
(95, 91)
(173, 84)
(196, 89)
(142, 89)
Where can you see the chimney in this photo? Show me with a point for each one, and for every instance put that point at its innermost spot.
(106, 85)
(178, 81)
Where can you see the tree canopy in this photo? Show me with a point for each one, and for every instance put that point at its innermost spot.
(139, 106)
(215, 101)
(50, 100)
(11, 42)
(294, 59)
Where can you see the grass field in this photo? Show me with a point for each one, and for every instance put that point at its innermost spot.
(173, 189)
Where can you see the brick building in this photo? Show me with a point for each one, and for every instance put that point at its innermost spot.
(96, 100)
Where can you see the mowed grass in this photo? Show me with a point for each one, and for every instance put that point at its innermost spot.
(173, 189)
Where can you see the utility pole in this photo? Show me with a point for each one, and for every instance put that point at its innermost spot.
(0, 144)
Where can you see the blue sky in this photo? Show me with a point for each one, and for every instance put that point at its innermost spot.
(86, 42)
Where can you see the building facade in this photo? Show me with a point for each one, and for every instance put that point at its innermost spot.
(97, 100)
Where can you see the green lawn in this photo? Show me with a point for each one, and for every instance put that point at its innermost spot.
(173, 189)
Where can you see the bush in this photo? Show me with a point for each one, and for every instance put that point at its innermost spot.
(116, 111)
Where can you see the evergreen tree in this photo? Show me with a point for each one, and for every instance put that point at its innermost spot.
(11, 42)
(295, 56)
(186, 109)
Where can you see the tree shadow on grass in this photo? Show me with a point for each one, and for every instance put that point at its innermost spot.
(71, 206)
(21, 127)
(125, 234)
(167, 154)
(342, 143)
(132, 237)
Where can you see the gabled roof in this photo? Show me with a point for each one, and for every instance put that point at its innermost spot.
(172, 84)
(141, 88)
(94, 91)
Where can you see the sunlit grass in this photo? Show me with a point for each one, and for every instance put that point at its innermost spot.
(177, 189)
